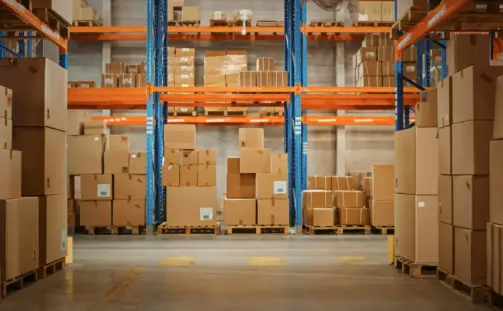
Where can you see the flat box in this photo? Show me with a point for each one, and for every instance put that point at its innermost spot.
(46, 101)
(416, 154)
(109, 80)
(445, 150)
(444, 102)
(271, 186)
(93, 187)
(426, 109)
(19, 247)
(62, 8)
(130, 187)
(279, 163)
(180, 136)
(172, 156)
(366, 54)
(470, 252)
(43, 161)
(239, 212)
(117, 143)
(10, 178)
(171, 175)
(189, 157)
(370, 68)
(53, 217)
(467, 50)
(416, 228)
(382, 213)
(445, 198)
(470, 201)
(85, 154)
(95, 213)
(498, 110)
(251, 137)
(128, 213)
(470, 147)
(5, 133)
(233, 164)
(273, 212)
(496, 182)
(340, 182)
(95, 127)
(383, 187)
(319, 182)
(75, 119)
(207, 157)
(265, 64)
(349, 199)
(318, 198)
(241, 185)
(188, 176)
(255, 160)
(138, 163)
(446, 247)
(5, 102)
(206, 175)
(116, 162)
(353, 216)
(323, 217)
(386, 53)
(191, 13)
(185, 51)
(191, 206)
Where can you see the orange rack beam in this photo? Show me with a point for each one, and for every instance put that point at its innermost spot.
(306, 29)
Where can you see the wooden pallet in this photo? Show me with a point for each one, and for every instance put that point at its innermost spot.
(272, 114)
(51, 268)
(257, 229)
(229, 23)
(372, 24)
(411, 17)
(477, 294)
(224, 113)
(325, 23)
(338, 229)
(54, 21)
(415, 270)
(180, 113)
(112, 230)
(267, 23)
(164, 229)
(96, 22)
(383, 230)
(19, 282)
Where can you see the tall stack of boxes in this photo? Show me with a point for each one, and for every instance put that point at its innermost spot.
(383, 195)
(120, 75)
(182, 71)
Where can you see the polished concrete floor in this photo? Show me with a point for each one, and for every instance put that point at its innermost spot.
(223, 273)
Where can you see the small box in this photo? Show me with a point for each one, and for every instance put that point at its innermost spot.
(127, 213)
(117, 143)
(206, 175)
(323, 217)
(188, 176)
(133, 68)
(233, 164)
(116, 162)
(273, 212)
(127, 80)
(141, 80)
(95, 213)
(130, 187)
(171, 175)
(272, 186)
(93, 187)
(255, 160)
(251, 137)
(109, 80)
(279, 163)
(180, 136)
(98, 127)
(115, 67)
(138, 163)
(247, 79)
(240, 212)
(366, 54)
(207, 157)
(349, 199)
(353, 216)
(241, 185)
(189, 157)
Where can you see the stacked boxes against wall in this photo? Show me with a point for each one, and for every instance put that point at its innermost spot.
(181, 72)
(83, 13)
(403, 6)
(318, 202)
(120, 75)
(376, 11)
(177, 11)
(383, 195)
(190, 176)
(33, 189)
(257, 184)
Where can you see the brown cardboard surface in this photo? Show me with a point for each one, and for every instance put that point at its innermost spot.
(191, 206)
(471, 201)
(85, 154)
(271, 186)
(180, 136)
(370, 68)
(323, 217)
(273, 212)
(498, 110)
(171, 175)
(386, 53)
(446, 247)
(496, 182)
(371, 41)
(109, 80)
(444, 102)
(251, 137)
(189, 157)
(366, 54)
(426, 109)
(128, 212)
(138, 163)
(93, 187)
(353, 216)
(5, 103)
(445, 198)
(349, 199)
(255, 160)
(336, 182)
(130, 187)
(444, 150)
(188, 176)
(318, 198)
(319, 182)
(470, 256)
(5, 133)
(279, 163)
(53, 219)
(241, 185)
(45, 104)
(405, 226)
(367, 186)
(94, 127)
(10, 178)
(470, 147)
(383, 186)
(74, 120)
(465, 51)
(239, 212)
(117, 143)
(206, 175)
(382, 213)
(95, 213)
(233, 164)
(116, 162)
(172, 156)
(115, 67)
(265, 64)
(207, 157)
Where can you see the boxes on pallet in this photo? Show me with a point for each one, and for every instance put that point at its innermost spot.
(138, 163)
(10, 178)
(130, 187)
(369, 11)
(271, 186)
(349, 199)
(5, 103)
(318, 198)
(61, 8)
(382, 213)
(255, 160)
(189, 157)
(251, 137)
(127, 213)
(446, 247)
(471, 201)
(273, 212)
(366, 54)
(115, 67)
(470, 147)
(191, 206)
(180, 136)
(188, 176)
(467, 50)
(279, 163)
(444, 102)
(116, 162)
(52, 228)
(85, 154)
(241, 185)
(353, 216)
(172, 156)
(340, 183)
(470, 256)
(207, 157)
(95, 213)
(445, 198)
(247, 79)
(93, 187)
(5, 133)
(239, 212)
(323, 217)
(319, 182)
(494, 256)
(75, 121)
(206, 175)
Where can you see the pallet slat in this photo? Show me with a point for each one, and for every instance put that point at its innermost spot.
(477, 294)
(384, 230)
(164, 229)
(19, 282)
(415, 270)
(51, 268)
(257, 229)
(112, 230)
(338, 229)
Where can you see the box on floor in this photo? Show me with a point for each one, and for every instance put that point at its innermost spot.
(191, 206)
(239, 212)
(95, 213)
(128, 212)
(241, 185)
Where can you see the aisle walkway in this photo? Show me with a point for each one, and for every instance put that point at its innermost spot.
(233, 273)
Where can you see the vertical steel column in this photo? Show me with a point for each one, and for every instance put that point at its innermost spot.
(289, 146)
(150, 123)
(398, 83)
(443, 54)
(4, 43)
(30, 45)
(297, 69)
(160, 12)
(165, 104)
(427, 63)
(420, 67)
(304, 59)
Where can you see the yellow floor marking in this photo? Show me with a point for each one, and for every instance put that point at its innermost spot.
(176, 261)
(353, 260)
(69, 248)
(391, 248)
(266, 261)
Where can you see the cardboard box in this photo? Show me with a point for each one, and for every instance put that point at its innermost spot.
(185, 51)
(470, 147)
(445, 198)
(61, 8)
(207, 157)
(189, 157)
(279, 163)
(255, 160)
(53, 217)
(388, 69)
(353, 216)
(494, 255)
(109, 80)
(349, 199)
(191, 13)
(19, 247)
(498, 110)
(171, 175)
(188, 176)
(251, 137)
(271, 186)
(496, 182)
(233, 164)
(127, 80)
(446, 247)
(467, 50)
(426, 109)
(95, 127)
(323, 217)
(337, 182)
(241, 185)
(85, 154)
(386, 53)
(265, 64)
(206, 175)
(128, 213)
(371, 41)
(382, 213)
(366, 54)
(416, 168)
(471, 201)
(133, 68)
(115, 67)
(5, 133)
(388, 11)
(444, 102)
(470, 252)
(130, 187)
(141, 80)
(10, 178)
(240, 212)
(445, 150)
(75, 121)
(5, 103)
(117, 143)
(116, 162)
(95, 213)
(172, 156)
(383, 187)
(367, 186)
(369, 68)
(180, 136)
(138, 163)
(43, 160)
(92, 187)
(318, 198)
(273, 212)
(264, 78)
(45, 103)
(247, 79)
(191, 206)
(369, 11)
(320, 183)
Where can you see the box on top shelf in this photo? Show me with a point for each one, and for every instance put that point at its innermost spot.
(273, 212)
(251, 137)
(255, 160)
(191, 206)
(138, 163)
(180, 136)
(369, 11)
(52, 228)
(5, 133)
(239, 212)
(85, 154)
(95, 213)
(404, 5)
(109, 80)
(383, 185)
(61, 8)
(93, 187)
(184, 52)
(10, 179)
(127, 80)
(426, 109)
(247, 79)
(115, 68)
(466, 50)
(5, 102)
(128, 213)
(470, 147)
(130, 187)
(265, 64)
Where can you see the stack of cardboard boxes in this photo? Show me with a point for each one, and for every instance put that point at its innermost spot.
(120, 75)
(63, 10)
(83, 13)
(181, 72)
(257, 184)
(376, 11)
(404, 5)
(382, 204)
(177, 11)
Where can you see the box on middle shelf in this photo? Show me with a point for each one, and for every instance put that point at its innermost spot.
(349, 199)
(191, 206)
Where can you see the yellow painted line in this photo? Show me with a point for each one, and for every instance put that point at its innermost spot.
(353, 260)
(176, 261)
(266, 261)
(391, 248)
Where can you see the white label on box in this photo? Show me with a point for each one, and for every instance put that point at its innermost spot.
(96, 138)
(103, 190)
(421, 204)
(64, 239)
(206, 213)
(170, 167)
(77, 187)
(133, 156)
(280, 187)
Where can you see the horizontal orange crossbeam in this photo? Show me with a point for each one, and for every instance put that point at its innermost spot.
(344, 29)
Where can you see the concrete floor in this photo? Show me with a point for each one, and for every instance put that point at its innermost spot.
(223, 273)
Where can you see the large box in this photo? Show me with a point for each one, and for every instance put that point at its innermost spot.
(445, 150)
(336, 182)
(75, 119)
(271, 186)
(323, 217)
(5, 103)
(117, 143)
(471, 201)
(128, 213)
(353, 216)
(62, 8)
(255, 160)
(496, 182)
(239, 212)
(52, 228)
(383, 186)
(10, 178)
(466, 50)
(319, 183)
(382, 213)
(188, 176)
(171, 175)
(251, 137)
(272, 212)
(426, 109)
(85, 154)
(444, 102)
(44, 102)
(206, 175)
(470, 147)
(349, 199)
(191, 206)
(470, 252)
(180, 136)
(416, 168)
(279, 163)
(116, 162)
(404, 5)
(95, 213)
(445, 198)
(241, 185)
(138, 163)
(446, 247)
(130, 187)
(93, 187)
(19, 247)
(318, 198)
(5, 133)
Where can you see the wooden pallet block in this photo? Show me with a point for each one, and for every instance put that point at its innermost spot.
(51, 268)
(130, 230)
(353, 229)
(384, 230)
(415, 270)
(87, 23)
(19, 282)
(181, 113)
(477, 294)
(316, 230)
(189, 23)
(164, 229)
(257, 229)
